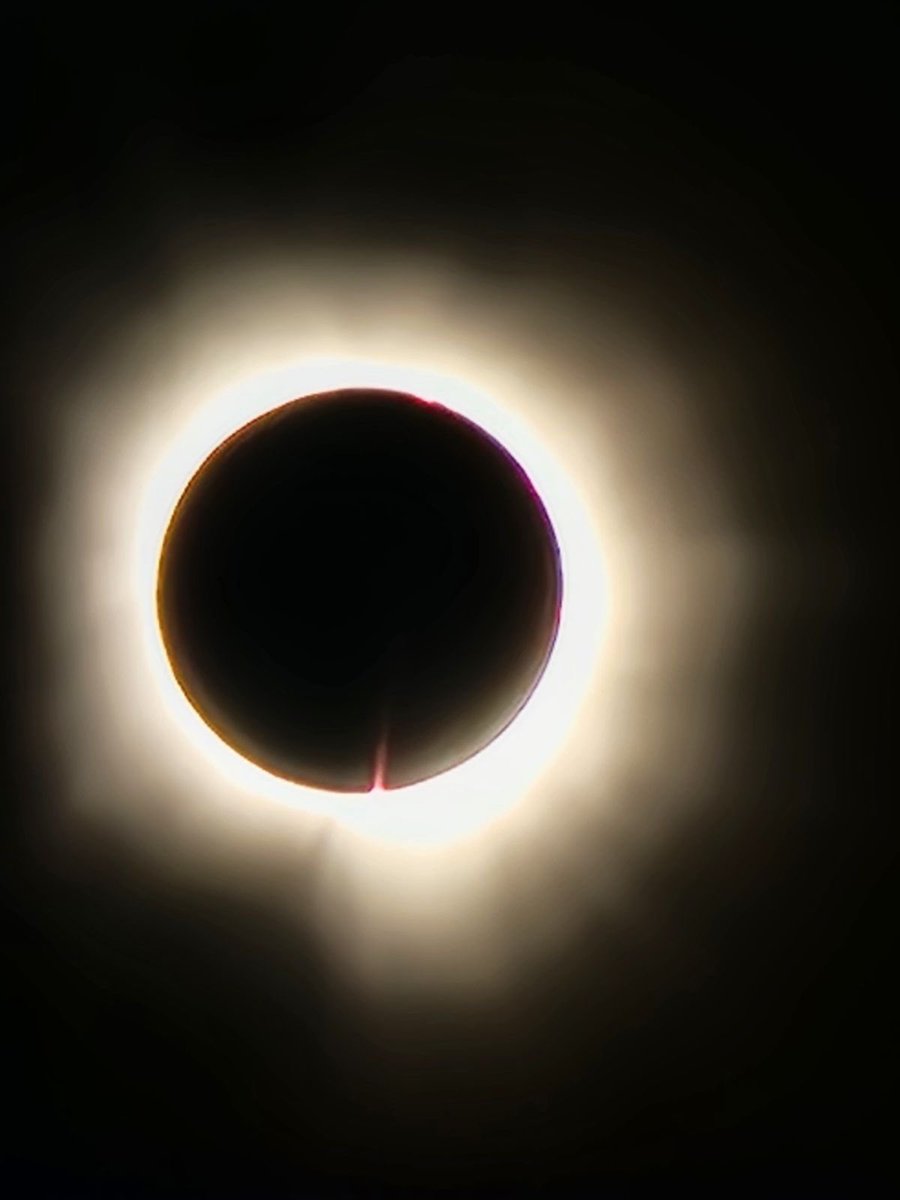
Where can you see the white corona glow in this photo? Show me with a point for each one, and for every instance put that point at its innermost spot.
(471, 794)
(461, 883)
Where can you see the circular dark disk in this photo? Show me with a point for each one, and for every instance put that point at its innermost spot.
(359, 588)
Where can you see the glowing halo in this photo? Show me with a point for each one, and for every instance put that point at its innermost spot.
(471, 794)
(462, 883)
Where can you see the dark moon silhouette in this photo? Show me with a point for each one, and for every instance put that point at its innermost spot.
(359, 588)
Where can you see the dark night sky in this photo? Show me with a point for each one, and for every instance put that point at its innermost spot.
(169, 1042)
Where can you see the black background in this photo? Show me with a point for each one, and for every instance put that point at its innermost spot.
(168, 1043)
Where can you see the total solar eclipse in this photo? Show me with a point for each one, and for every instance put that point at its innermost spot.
(359, 589)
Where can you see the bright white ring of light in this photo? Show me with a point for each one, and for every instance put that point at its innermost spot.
(481, 788)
